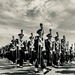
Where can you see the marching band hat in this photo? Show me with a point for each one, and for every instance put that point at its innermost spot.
(56, 38)
(41, 24)
(63, 35)
(21, 30)
(12, 36)
(57, 33)
(49, 35)
(50, 30)
(31, 37)
(21, 35)
(39, 31)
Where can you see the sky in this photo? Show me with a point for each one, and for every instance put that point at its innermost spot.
(58, 15)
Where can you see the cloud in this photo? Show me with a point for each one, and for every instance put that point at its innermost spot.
(6, 34)
(58, 15)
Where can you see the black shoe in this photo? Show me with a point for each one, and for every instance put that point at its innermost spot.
(46, 71)
(21, 66)
(49, 68)
(36, 70)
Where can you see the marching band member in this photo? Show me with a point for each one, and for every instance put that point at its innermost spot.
(71, 53)
(49, 48)
(13, 40)
(67, 53)
(12, 50)
(20, 48)
(56, 53)
(31, 49)
(40, 47)
(26, 53)
(63, 50)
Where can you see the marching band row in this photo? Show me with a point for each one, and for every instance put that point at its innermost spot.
(43, 53)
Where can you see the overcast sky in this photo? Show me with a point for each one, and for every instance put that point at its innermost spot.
(59, 15)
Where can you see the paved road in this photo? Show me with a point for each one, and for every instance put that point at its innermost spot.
(7, 69)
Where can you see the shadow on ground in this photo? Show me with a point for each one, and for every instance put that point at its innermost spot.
(66, 72)
(7, 67)
(68, 67)
(21, 73)
(30, 71)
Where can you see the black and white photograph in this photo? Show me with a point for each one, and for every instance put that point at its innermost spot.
(37, 37)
